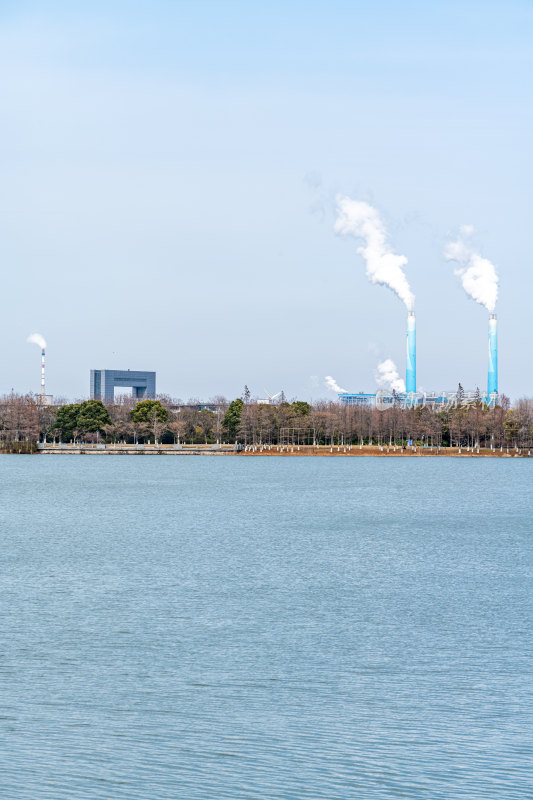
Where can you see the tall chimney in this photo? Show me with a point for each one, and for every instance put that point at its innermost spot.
(410, 366)
(492, 381)
(42, 373)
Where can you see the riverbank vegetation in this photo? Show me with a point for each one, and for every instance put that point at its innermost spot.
(244, 421)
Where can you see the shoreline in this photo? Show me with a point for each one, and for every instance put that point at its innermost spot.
(310, 451)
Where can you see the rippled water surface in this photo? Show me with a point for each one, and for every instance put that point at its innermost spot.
(207, 627)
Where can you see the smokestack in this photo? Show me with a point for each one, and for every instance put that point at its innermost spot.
(42, 373)
(410, 366)
(492, 381)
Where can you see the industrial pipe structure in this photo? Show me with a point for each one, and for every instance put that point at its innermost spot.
(42, 373)
(410, 365)
(492, 381)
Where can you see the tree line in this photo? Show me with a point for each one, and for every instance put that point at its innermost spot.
(247, 422)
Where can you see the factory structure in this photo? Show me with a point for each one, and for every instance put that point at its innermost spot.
(104, 382)
(411, 398)
(384, 267)
(44, 399)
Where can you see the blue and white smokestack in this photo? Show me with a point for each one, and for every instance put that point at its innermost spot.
(410, 366)
(492, 382)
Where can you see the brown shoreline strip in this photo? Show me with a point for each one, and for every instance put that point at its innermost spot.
(353, 451)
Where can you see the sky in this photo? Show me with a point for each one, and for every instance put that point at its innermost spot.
(169, 181)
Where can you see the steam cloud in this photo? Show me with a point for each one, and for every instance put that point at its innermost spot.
(386, 375)
(332, 384)
(382, 266)
(478, 275)
(36, 338)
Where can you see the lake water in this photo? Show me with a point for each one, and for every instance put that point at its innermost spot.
(306, 628)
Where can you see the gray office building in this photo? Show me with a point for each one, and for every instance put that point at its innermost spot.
(104, 381)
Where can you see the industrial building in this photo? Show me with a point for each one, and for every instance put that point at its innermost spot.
(411, 398)
(105, 381)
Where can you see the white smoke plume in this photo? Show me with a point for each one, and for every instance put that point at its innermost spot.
(386, 376)
(332, 384)
(36, 338)
(382, 266)
(478, 275)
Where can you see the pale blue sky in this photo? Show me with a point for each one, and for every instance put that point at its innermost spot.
(169, 172)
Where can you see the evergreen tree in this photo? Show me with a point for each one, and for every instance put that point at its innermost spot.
(232, 418)
(150, 416)
(92, 416)
(66, 420)
(87, 417)
(301, 408)
(146, 410)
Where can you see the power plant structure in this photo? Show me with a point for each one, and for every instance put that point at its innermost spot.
(410, 363)
(411, 398)
(492, 382)
(44, 399)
